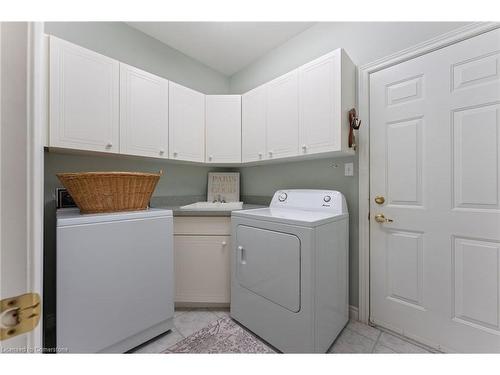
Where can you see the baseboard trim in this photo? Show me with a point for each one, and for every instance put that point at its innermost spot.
(353, 312)
(201, 305)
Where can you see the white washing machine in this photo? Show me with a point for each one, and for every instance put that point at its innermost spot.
(290, 270)
(115, 279)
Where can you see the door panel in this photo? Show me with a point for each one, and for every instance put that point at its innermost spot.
(476, 185)
(476, 71)
(404, 91)
(404, 162)
(404, 274)
(435, 156)
(268, 264)
(476, 294)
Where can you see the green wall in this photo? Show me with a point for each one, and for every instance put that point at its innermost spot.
(126, 44)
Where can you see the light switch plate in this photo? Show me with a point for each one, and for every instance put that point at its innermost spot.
(349, 169)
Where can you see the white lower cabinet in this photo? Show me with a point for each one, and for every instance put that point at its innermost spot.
(202, 249)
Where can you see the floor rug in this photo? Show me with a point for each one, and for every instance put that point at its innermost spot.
(221, 336)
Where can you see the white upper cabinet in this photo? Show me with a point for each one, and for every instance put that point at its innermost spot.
(143, 113)
(253, 125)
(223, 129)
(186, 123)
(326, 93)
(84, 98)
(99, 104)
(282, 116)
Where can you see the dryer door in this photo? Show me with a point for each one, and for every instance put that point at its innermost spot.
(268, 264)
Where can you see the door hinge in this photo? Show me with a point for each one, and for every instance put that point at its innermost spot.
(368, 215)
(19, 315)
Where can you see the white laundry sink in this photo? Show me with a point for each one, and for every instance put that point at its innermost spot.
(215, 206)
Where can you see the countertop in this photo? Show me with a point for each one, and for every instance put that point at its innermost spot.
(177, 211)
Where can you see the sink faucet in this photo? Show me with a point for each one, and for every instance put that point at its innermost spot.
(219, 199)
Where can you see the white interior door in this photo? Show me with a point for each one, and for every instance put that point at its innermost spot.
(21, 183)
(435, 158)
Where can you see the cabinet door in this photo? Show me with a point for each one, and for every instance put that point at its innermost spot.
(186, 123)
(202, 269)
(223, 128)
(282, 116)
(253, 125)
(319, 105)
(143, 113)
(84, 102)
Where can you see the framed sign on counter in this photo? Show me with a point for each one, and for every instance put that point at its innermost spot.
(223, 186)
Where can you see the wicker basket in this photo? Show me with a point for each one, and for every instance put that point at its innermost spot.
(96, 192)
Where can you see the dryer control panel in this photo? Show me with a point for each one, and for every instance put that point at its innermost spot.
(310, 200)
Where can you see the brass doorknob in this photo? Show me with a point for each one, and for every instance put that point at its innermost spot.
(380, 218)
(379, 199)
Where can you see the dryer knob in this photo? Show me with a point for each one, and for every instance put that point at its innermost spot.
(327, 198)
(282, 197)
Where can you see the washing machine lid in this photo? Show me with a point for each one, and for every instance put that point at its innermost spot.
(72, 216)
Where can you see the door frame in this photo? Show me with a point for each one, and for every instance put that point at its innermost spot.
(364, 73)
(37, 133)
(36, 115)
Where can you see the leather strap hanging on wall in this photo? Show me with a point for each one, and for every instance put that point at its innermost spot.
(354, 124)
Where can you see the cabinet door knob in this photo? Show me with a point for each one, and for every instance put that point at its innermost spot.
(260, 154)
(162, 151)
(304, 147)
(210, 157)
(109, 145)
(224, 243)
(175, 153)
(270, 153)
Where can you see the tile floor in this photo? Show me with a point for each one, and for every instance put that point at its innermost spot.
(355, 338)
